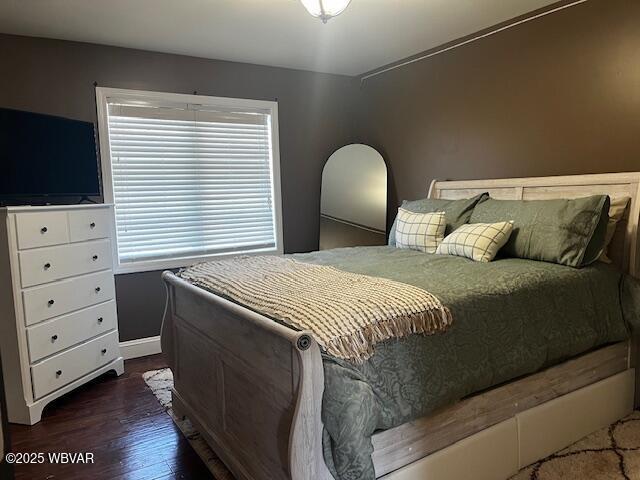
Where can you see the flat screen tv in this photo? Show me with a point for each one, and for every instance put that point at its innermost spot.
(42, 156)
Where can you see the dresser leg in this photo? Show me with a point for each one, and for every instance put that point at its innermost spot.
(118, 367)
(35, 412)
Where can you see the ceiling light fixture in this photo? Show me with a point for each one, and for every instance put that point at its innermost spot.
(325, 9)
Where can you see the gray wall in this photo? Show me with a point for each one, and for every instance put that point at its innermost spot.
(57, 77)
(557, 95)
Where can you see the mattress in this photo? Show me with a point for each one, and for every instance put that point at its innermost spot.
(512, 317)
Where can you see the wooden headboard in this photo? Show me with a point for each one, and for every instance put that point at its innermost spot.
(624, 247)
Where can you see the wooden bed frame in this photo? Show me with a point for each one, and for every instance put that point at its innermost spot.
(253, 388)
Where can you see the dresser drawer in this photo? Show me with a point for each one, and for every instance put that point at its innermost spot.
(64, 368)
(39, 229)
(89, 224)
(44, 265)
(62, 297)
(63, 332)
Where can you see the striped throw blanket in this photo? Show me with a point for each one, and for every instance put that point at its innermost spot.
(347, 313)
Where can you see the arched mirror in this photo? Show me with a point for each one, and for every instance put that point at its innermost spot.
(353, 204)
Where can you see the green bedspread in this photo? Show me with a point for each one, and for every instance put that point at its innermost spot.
(511, 317)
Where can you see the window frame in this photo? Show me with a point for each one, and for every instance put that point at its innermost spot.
(102, 97)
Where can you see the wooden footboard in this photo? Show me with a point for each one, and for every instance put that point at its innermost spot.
(252, 387)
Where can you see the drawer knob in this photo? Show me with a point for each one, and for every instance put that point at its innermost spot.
(100, 320)
(103, 351)
(54, 338)
(47, 266)
(43, 230)
(92, 225)
(95, 257)
(51, 302)
(58, 373)
(97, 289)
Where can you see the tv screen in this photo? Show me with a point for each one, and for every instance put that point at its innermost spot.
(43, 155)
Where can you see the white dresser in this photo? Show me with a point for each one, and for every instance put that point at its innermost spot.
(58, 324)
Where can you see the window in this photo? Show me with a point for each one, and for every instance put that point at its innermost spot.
(190, 176)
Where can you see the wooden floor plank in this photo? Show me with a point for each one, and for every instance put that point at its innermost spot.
(119, 420)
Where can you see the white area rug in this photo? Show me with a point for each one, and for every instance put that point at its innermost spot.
(612, 453)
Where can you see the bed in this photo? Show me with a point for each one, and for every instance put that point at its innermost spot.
(254, 388)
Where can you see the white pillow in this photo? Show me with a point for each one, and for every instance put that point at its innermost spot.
(419, 231)
(478, 241)
(616, 212)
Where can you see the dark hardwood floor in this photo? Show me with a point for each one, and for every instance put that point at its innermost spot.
(118, 420)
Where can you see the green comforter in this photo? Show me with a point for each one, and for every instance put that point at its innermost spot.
(511, 317)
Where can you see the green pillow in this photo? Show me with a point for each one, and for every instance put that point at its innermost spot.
(565, 231)
(456, 212)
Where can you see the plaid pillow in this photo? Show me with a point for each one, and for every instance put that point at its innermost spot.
(419, 231)
(478, 241)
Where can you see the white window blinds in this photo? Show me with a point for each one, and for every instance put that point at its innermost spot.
(190, 180)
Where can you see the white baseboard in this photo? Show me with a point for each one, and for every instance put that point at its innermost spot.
(140, 347)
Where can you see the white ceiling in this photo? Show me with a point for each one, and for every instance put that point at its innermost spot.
(369, 34)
